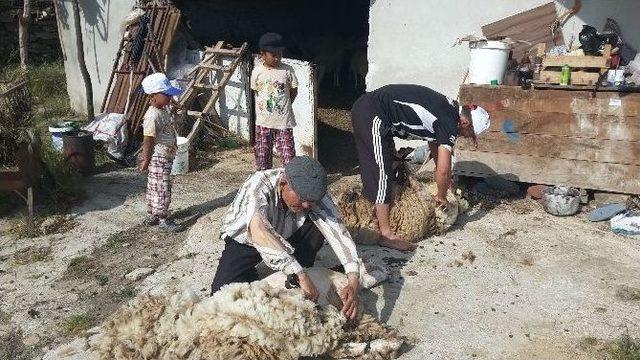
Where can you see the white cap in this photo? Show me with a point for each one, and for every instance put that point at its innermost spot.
(480, 120)
(159, 83)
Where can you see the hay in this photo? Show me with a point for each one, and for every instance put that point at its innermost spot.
(413, 214)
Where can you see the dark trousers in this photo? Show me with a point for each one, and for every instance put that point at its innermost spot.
(375, 147)
(238, 261)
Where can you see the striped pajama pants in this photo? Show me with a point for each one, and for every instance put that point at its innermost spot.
(285, 146)
(375, 147)
(158, 195)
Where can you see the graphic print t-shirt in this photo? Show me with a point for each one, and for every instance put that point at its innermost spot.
(414, 111)
(158, 123)
(273, 95)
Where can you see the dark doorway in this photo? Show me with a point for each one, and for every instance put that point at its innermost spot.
(332, 34)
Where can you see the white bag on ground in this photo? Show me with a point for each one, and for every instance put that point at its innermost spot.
(627, 223)
(110, 128)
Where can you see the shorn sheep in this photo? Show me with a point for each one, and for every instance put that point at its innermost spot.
(413, 214)
(260, 320)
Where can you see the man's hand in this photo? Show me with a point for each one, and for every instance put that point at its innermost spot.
(307, 286)
(349, 296)
(441, 202)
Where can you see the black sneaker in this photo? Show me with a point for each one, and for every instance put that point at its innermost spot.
(167, 225)
(151, 220)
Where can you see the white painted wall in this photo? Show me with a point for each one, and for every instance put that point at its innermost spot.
(101, 35)
(304, 109)
(410, 40)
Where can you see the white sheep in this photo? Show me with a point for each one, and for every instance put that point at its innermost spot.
(260, 320)
(413, 216)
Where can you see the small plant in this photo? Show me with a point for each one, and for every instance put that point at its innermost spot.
(127, 292)
(117, 239)
(77, 324)
(31, 255)
(228, 142)
(102, 279)
(625, 348)
(81, 266)
(22, 229)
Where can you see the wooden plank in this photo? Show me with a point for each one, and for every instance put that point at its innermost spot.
(557, 101)
(532, 26)
(590, 126)
(561, 147)
(577, 77)
(576, 61)
(582, 174)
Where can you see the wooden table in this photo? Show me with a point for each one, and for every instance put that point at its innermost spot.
(556, 137)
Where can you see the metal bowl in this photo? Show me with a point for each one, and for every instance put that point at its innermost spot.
(561, 201)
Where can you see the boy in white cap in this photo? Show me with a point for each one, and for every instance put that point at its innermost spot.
(158, 150)
(408, 111)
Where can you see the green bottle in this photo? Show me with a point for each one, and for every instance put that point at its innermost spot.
(565, 75)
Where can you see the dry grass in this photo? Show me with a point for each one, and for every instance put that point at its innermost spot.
(32, 255)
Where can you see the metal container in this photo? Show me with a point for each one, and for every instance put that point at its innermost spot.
(561, 201)
(78, 149)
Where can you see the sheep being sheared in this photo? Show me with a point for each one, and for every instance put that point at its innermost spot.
(260, 320)
(413, 217)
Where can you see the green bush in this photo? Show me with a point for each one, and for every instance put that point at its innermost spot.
(62, 183)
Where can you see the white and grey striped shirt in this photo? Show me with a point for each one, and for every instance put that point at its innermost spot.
(260, 194)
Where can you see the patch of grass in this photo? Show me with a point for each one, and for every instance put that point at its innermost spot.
(229, 142)
(127, 292)
(82, 266)
(48, 86)
(117, 239)
(77, 324)
(31, 255)
(625, 348)
(627, 293)
(102, 279)
(21, 228)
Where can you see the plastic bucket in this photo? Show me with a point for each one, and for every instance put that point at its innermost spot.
(57, 131)
(181, 161)
(488, 61)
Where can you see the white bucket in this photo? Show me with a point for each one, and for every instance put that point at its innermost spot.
(181, 161)
(488, 61)
(57, 131)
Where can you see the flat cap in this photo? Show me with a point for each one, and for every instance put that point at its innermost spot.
(307, 178)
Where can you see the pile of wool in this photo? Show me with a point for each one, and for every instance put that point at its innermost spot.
(414, 215)
(245, 321)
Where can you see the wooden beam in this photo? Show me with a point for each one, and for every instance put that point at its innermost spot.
(593, 126)
(576, 61)
(560, 147)
(576, 173)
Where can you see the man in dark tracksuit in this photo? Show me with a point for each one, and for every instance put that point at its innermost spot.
(407, 111)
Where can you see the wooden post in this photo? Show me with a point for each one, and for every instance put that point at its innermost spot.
(24, 20)
(83, 65)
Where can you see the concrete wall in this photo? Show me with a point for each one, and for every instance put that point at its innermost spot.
(101, 35)
(410, 40)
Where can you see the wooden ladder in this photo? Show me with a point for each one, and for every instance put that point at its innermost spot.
(199, 85)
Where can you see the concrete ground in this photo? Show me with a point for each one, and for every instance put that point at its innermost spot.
(507, 282)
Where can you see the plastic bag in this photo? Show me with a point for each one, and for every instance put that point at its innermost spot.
(110, 128)
(627, 223)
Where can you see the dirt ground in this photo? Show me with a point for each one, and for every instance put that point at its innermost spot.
(529, 285)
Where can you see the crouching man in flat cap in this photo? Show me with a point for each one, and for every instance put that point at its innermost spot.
(283, 217)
